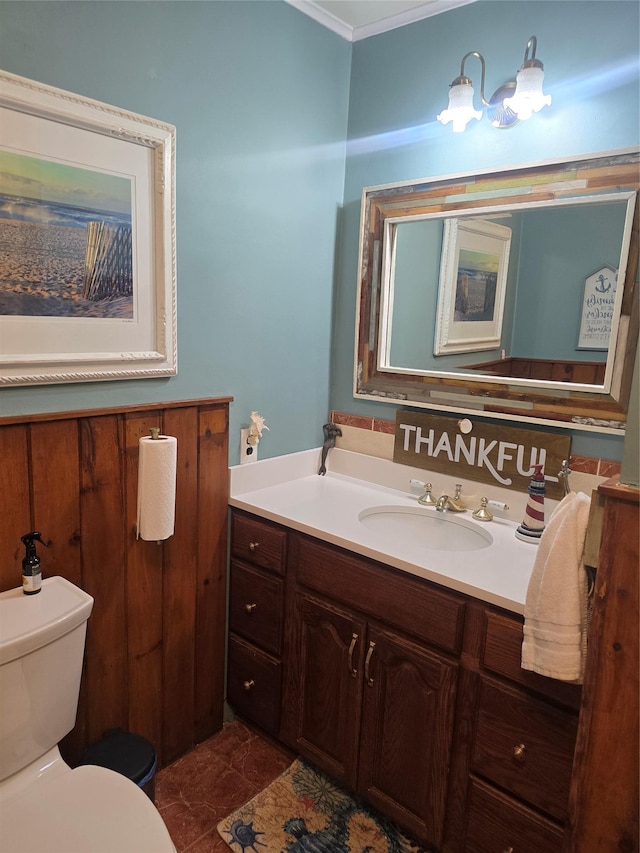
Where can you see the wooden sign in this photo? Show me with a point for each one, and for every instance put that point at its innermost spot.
(598, 304)
(499, 455)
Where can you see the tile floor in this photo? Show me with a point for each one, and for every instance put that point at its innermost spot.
(195, 792)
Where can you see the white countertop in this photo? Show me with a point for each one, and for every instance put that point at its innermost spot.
(288, 490)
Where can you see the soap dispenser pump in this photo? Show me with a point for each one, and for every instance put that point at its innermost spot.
(31, 574)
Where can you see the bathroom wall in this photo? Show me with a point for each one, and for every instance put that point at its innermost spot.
(154, 660)
(549, 290)
(259, 95)
(399, 83)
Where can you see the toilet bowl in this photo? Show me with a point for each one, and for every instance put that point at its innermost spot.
(44, 804)
(86, 810)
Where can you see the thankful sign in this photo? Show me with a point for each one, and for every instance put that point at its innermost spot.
(488, 453)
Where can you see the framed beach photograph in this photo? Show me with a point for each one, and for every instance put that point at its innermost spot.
(87, 239)
(472, 286)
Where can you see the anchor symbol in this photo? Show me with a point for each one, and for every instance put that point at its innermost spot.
(602, 288)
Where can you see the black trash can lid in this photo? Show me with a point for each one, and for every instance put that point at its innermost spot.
(125, 752)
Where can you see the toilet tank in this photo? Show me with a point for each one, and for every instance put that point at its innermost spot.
(41, 649)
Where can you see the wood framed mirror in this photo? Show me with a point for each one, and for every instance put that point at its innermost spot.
(510, 293)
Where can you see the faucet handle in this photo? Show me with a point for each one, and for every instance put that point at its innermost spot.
(482, 514)
(427, 499)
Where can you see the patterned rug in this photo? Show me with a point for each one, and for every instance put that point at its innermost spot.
(302, 811)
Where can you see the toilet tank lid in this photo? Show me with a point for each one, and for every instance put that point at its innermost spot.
(28, 622)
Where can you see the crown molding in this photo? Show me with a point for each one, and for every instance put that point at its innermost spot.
(309, 8)
(352, 34)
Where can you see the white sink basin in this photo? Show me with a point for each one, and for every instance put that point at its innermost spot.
(435, 531)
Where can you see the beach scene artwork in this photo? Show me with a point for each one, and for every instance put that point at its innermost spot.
(65, 240)
(476, 286)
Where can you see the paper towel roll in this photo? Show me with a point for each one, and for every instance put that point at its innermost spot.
(157, 487)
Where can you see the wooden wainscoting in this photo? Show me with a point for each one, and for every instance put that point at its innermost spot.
(154, 661)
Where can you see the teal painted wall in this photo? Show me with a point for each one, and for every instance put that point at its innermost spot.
(267, 204)
(259, 95)
(577, 242)
(399, 83)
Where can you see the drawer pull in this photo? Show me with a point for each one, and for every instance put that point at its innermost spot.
(249, 608)
(352, 645)
(518, 752)
(508, 850)
(253, 546)
(248, 685)
(367, 662)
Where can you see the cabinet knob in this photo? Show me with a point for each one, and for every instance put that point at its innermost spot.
(249, 608)
(248, 685)
(253, 545)
(508, 850)
(518, 752)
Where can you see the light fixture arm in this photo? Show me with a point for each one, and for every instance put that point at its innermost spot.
(463, 79)
(531, 62)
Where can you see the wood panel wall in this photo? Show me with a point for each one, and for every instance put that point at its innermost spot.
(154, 658)
(605, 791)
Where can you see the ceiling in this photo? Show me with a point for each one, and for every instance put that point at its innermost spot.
(358, 19)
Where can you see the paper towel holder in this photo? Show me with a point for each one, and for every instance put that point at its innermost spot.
(154, 432)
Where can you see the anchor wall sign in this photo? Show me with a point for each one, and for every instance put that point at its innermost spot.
(598, 306)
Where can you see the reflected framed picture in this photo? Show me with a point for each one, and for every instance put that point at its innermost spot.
(472, 286)
(87, 239)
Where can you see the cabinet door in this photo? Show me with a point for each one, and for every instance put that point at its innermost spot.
(326, 720)
(407, 730)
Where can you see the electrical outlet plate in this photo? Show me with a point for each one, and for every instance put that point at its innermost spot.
(248, 452)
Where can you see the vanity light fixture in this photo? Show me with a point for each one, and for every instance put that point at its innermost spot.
(514, 101)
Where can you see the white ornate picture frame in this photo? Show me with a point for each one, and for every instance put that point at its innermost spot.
(472, 287)
(84, 302)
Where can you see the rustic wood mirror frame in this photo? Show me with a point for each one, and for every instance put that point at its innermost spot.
(602, 410)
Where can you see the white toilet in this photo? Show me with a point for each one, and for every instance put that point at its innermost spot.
(45, 806)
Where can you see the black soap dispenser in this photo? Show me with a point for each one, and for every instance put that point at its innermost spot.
(31, 574)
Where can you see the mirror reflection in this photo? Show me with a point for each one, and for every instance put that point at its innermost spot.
(553, 251)
(511, 292)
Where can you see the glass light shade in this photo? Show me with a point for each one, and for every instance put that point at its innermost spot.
(528, 97)
(460, 110)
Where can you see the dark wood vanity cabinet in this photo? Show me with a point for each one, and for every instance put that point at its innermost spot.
(365, 702)
(406, 693)
(256, 614)
(520, 753)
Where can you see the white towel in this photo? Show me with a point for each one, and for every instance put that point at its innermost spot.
(556, 608)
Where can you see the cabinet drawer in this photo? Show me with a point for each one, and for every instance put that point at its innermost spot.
(502, 654)
(259, 542)
(255, 606)
(399, 599)
(253, 684)
(525, 746)
(498, 823)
